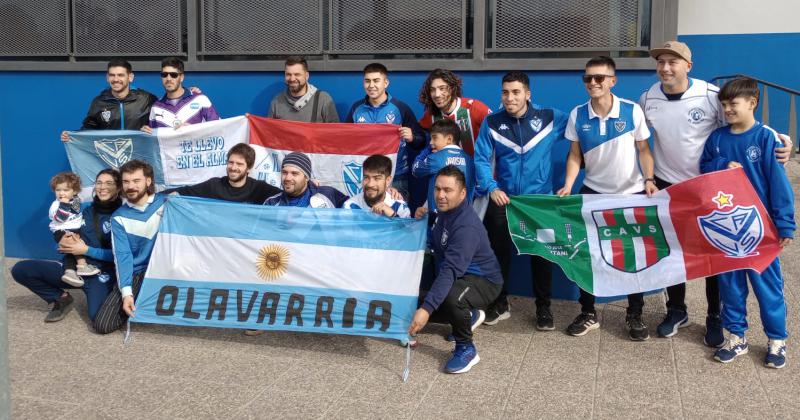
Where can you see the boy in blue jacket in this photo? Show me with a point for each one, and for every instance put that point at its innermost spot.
(750, 145)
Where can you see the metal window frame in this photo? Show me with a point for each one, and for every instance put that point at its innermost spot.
(74, 53)
(200, 35)
(663, 27)
(67, 37)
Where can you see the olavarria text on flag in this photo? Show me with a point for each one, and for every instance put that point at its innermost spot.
(336, 150)
(89, 152)
(233, 265)
(613, 245)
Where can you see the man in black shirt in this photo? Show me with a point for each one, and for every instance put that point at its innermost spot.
(237, 186)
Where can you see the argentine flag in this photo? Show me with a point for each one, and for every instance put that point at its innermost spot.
(234, 265)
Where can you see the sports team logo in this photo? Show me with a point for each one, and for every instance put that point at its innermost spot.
(390, 118)
(696, 115)
(620, 125)
(536, 123)
(351, 175)
(631, 238)
(753, 153)
(114, 152)
(106, 115)
(736, 233)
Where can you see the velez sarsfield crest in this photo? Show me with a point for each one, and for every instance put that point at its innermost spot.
(351, 175)
(631, 238)
(736, 233)
(114, 152)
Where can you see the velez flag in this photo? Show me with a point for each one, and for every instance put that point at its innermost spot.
(232, 265)
(336, 150)
(620, 244)
(89, 152)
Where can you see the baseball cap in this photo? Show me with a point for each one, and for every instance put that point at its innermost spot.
(673, 47)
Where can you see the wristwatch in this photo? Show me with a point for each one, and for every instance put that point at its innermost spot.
(653, 180)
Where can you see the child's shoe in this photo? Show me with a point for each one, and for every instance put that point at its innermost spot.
(87, 270)
(735, 346)
(776, 354)
(71, 278)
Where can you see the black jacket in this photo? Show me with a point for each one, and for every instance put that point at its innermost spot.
(106, 111)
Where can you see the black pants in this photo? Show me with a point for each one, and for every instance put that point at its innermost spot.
(468, 293)
(70, 262)
(111, 317)
(676, 295)
(586, 299)
(500, 240)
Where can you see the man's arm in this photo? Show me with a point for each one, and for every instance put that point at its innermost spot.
(410, 121)
(573, 168)
(484, 152)
(646, 163)
(123, 258)
(328, 108)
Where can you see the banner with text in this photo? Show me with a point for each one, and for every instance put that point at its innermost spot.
(236, 265)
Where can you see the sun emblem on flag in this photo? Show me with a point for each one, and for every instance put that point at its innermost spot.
(272, 261)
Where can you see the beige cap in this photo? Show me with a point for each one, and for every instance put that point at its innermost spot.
(673, 47)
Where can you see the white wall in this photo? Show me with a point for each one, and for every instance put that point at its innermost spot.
(701, 17)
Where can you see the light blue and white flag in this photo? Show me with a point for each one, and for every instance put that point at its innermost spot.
(233, 265)
(89, 152)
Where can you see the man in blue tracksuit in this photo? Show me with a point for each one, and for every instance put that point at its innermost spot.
(378, 107)
(467, 273)
(133, 233)
(515, 144)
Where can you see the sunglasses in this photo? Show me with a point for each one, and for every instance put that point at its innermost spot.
(598, 78)
(172, 74)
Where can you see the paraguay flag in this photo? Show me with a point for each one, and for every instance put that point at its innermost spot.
(612, 245)
(336, 150)
(234, 265)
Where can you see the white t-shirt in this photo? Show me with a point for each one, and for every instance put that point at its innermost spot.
(681, 127)
(608, 145)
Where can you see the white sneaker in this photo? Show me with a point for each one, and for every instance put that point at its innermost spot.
(87, 270)
(71, 278)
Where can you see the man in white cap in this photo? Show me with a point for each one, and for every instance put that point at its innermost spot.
(682, 112)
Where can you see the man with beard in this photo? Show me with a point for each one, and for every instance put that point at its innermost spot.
(441, 96)
(301, 101)
(377, 176)
(119, 107)
(178, 106)
(298, 191)
(133, 230)
(237, 186)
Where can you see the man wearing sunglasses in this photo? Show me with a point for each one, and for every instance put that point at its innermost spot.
(121, 106)
(610, 135)
(179, 106)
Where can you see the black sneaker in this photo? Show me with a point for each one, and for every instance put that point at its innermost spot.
(497, 313)
(584, 323)
(544, 319)
(637, 331)
(714, 336)
(60, 309)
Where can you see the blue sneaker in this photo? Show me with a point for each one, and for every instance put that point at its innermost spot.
(464, 357)
(776, 354)
(477, 319)
(735, 346)
(675, 319)
(714, 336)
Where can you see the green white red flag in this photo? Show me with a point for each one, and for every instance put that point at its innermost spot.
(620, 244)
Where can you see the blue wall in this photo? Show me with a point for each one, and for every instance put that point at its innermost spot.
(37, 106)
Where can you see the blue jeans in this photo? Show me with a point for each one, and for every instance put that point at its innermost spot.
(43, 278)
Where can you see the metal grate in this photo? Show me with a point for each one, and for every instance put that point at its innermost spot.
(268, 28)
(397, 26)
(143, 28)
(565, 25)
(31, 28)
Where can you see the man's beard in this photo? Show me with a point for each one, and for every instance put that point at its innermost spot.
(234, 177)
(136, 198)
(373, 201)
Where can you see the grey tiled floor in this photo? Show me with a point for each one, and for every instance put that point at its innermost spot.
(64, 370)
